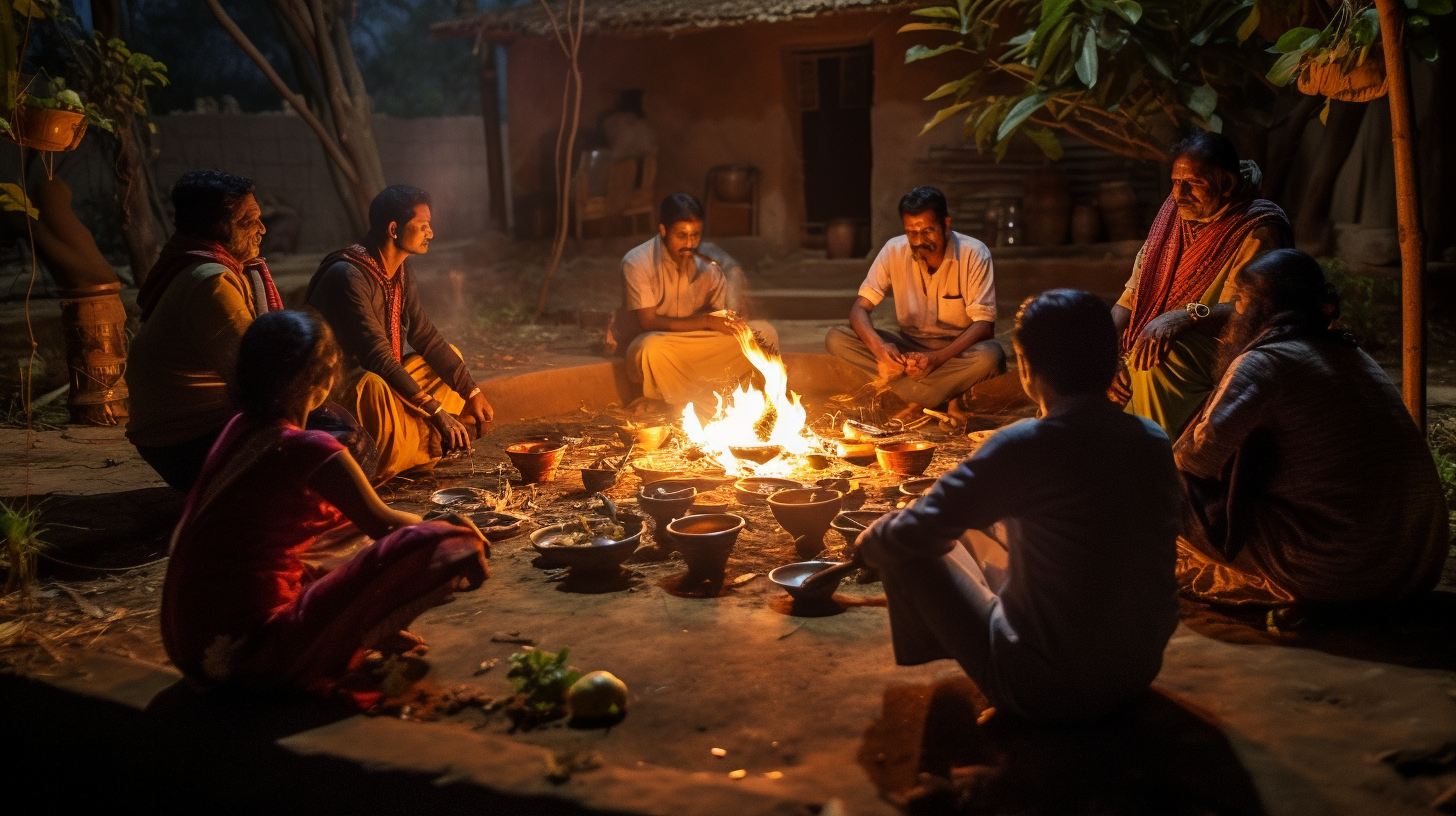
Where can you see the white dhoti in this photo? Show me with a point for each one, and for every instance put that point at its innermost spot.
(683, 367)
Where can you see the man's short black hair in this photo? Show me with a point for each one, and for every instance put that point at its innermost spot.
(1209, 149)
(395, 205)
(206, 200)
(924, 199)
(679, 207)
(1068, 337)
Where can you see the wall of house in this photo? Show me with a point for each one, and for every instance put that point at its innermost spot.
(726, 96)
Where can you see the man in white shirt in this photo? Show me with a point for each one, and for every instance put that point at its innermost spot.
(945, 301)
(688, 350)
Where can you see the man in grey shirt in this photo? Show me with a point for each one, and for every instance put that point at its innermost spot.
(1087, 503)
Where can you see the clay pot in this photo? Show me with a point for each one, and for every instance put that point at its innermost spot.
(644, 439)
(606, 556)
(94, 322)
(791, 578)
(648, 475)
(916, 487)
(845, 525)
(758, 454)
(705, 542)
(733, 184)
(1086, 224)
(757, 489)
(855, 451)
(708, 504)
(664, 504)
(805, 514)
(1046, 208)
(596, 480)
(1118, 203)
(47, 128)
(839, 238)
(536, 460)
(905, 458)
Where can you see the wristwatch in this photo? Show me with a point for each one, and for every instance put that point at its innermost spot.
(1197, 311)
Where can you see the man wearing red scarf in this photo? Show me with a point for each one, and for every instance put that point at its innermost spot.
(411, 404)
(196, 302)
(1182, 283)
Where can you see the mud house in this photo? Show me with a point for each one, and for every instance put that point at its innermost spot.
(813, 95)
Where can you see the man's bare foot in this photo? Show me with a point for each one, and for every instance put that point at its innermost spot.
(403, 642)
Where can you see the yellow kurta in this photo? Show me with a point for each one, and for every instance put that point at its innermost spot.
(403, 434)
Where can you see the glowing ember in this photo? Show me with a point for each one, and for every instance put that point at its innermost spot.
(754, 421)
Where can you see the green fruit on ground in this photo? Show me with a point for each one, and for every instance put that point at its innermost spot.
(598, 694)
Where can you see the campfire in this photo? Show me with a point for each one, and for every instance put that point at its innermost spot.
(755, 431)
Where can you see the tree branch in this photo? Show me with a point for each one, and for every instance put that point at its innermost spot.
(299, 105)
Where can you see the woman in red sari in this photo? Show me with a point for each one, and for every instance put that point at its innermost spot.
(240, 608)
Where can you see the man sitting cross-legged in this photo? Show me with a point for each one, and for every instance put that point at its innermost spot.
(945, 302)
(1085, 501)
(1306, 478)
(688, 349)
(409, 404)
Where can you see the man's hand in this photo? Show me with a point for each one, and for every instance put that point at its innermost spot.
(920, 363)
(453, 435)
(477, 408)
(1157, 338)
(726, 322)
(889, 363)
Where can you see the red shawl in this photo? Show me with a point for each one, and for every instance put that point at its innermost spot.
(183, 251)
(1178, 269)
(393, 287)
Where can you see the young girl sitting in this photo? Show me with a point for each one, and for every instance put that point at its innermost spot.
(240, 608)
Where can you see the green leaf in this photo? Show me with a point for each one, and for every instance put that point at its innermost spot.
(1087, 61)
(1412, 4)
(1129, 10)
(1435, 8)
(1050, 145)
(1159, 63)
(908, 27)
(920, 52)
(1325, 112)
(1295, 38)
(28, 8)
(957, 87)
(1425, 47)
(1023, 38)
(944, 114)
(1417, 22)
(1251, 24)
(1052, 52)
(1203, 100)
(938, 11)
(1284, 68)
(1020, 112)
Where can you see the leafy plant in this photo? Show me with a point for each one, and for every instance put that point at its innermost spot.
(1125, 75)
(542, 678)
(22, 531)
(1362, 302)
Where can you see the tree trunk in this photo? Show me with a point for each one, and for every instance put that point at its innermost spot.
(141, 227)
(490, 115)
(1408, 215)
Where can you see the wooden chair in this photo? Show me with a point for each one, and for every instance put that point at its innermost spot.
(628, 189)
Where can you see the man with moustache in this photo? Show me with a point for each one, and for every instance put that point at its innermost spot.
(412, 404)
(1177, 300)
(196, 302)
(689, 348)
(945, 301)
(1307, 481)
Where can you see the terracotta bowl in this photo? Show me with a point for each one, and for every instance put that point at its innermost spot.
(707, 504)
(845, 526)
(644, 439)
(649, 474)
(705, 542)
(758, 454)
(854, 451)
(806, 513)
(536, 460)
(663, 506)
(601, 557)
(596, 480)
(917, 487)
(792, 577)
(757, 489)
(905, 458)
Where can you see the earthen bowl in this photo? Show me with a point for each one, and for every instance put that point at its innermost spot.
(595, 480)
(602, 556)
(845, 526)
(806, 513)
(757, 454)
(705, 542)
(648, 438)
(536, 460)
(457, 496)
(757, 489)
(708, 504)
(917, 487)
(649, 474)
(792, 577)
(854, 451)
(498, 526)
(905, 458)
(663, 506)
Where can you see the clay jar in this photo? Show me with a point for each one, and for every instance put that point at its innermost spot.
(536, 460)
(851, 523)
(905, 458)
(596, 480)
(663, 504)
(1086, 224)
(806, 514)
(705, 542)
(733, 184)
(1046, 208)
(1118, 203)
(839, 238)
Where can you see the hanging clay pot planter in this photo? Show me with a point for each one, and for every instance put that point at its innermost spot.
(1363, 83)
(46, 128)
